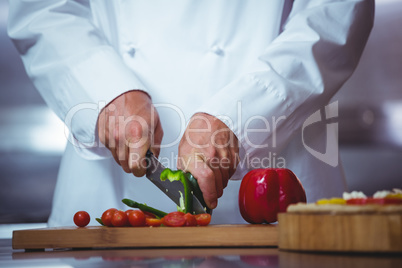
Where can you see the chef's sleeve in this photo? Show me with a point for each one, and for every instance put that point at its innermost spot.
(317, 51)
(71, 63)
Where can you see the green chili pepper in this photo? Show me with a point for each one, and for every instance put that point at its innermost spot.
(144, 207)
(178, 175)
(195, 188)
(100, 221)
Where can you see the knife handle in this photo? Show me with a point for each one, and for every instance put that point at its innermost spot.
(149, 154)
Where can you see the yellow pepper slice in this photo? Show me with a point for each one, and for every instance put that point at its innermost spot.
(392, 195)
(335, 200)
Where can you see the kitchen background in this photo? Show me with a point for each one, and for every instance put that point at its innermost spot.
(32, 138)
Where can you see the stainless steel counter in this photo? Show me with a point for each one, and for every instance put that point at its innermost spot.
(188, 257)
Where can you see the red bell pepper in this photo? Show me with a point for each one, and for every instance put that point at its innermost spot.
(266, 192)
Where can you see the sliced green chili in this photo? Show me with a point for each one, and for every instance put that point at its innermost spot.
(195, 188)
(100, 221)
(178, 175)
(144, 207)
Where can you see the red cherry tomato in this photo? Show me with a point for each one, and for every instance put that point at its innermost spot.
(81, 218)
(154, 222)
(136, 218)
(120, 219)
(203, 219)
(107, 217)
(174, 219)
(128, 211)
(190, 220)
(148, 214)
(176, 213)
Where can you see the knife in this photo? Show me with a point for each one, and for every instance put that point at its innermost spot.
(171, 189)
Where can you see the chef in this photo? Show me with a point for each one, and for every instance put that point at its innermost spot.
(216, 88)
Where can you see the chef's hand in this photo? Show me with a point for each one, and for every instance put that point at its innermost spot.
(209, 150)
(128, 126)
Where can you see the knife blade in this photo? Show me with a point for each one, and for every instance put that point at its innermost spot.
(171, 189)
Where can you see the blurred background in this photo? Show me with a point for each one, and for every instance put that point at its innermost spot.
(32, 138)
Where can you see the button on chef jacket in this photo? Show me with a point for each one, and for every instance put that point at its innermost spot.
(261, 66)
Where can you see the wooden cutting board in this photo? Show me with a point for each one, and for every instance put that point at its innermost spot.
(244, 235)
(341, 232)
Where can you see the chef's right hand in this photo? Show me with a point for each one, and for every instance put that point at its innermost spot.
(129, 126)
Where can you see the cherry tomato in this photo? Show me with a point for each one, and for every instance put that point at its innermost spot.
(107, 217)
(81, 218)
(174, 219)
(136, 218)
(154, 222)
(120, 219)
(190, 220)
(128, 211)
(175, 213)
(148, 214)
(203, 219)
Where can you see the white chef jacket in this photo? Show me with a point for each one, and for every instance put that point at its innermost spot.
(237, 60)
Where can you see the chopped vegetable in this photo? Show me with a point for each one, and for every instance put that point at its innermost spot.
(154, 222)
(190, 220)
(335, 201)
(383, 197)
(191, 187)
(174, 219)
(139, 218)
(396, 193)
(178, 175)
(144, 207)
(370, 200)
(203, 219)
(100, 221)
(196, 191)
(182, 207)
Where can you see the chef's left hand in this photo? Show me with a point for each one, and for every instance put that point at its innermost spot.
(209, 150)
